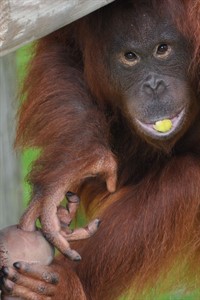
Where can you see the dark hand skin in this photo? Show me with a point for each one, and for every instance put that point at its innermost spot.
(39, 282)
(29, 280)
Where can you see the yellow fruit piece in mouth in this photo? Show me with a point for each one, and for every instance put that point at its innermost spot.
(163, 126)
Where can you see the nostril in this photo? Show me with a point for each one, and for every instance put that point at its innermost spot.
(160, 87)
(154, 86)
(148, 89)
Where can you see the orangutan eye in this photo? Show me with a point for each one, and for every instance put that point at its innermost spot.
(129, 58)
(162, 51)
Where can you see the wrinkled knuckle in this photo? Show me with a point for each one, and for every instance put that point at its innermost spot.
(54, 278)
(41, 289)
(50, 277)
(46, 276)
(15, 277)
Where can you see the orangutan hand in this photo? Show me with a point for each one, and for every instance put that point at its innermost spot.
(46, 200)
(29, 281)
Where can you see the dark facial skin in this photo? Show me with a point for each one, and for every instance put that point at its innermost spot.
(149, 60)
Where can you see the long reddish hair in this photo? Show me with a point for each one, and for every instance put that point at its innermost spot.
(151, 225)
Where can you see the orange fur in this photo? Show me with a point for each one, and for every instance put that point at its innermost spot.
(152, 221)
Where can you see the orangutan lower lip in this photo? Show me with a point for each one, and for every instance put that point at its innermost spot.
(175, 122)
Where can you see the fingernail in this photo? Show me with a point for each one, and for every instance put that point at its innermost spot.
(98, 223)
(17, 265)
(72, 198)
(73, 255)
(77, 258)
(5, 271)
(69, 194)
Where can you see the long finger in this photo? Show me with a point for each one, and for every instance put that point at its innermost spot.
(37, 271)
(111, 182)
(22, 292)
(73, 203)
(107, 168)
(65, 215)
(83, 233)
(59, 241)
(29, 217)
(111, 175)
(50, 220)
(37, 286)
